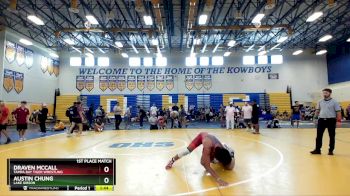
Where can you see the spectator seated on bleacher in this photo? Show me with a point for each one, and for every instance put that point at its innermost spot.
(59, 126)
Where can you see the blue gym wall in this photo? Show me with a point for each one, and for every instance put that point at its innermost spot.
(216, 99)
(338, 63)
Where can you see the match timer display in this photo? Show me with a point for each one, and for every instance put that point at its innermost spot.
(83, 174)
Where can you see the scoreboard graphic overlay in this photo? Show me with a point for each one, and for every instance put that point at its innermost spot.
(82, 174)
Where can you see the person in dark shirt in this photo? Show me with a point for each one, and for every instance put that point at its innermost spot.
(255, 117)
(90, 115)
(142, 115)
(175, 108)
(296, 114)
(42, 118)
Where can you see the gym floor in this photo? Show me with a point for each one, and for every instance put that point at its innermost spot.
(276, 162)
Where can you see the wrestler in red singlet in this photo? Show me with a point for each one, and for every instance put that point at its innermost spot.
(213, 151)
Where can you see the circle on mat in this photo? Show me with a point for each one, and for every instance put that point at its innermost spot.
(139, 146)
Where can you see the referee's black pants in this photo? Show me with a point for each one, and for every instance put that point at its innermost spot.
(330, 124)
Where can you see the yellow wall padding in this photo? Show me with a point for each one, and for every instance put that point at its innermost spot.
(281, 101)
(63, 102)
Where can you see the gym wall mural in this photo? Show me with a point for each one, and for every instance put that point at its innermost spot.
(21, 56)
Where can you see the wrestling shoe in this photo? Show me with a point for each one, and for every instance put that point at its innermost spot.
(170, 164)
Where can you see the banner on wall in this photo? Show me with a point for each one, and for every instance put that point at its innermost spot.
(89, 83)
(19, 78)
(112, 82)
(10, 51)
(131, 82)
(44, 64)
(169, 79)
(160, 82)
(103, 83)
(80, 83)
(150, 82)
(20, 57)
(189, 82)
(29, 56)
(50, 66)
(141, 80)
(9, 81)
(207, 82)
(56, 67)
(121, 82)
(198, 81)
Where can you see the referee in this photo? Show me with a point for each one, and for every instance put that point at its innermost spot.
(329, 116)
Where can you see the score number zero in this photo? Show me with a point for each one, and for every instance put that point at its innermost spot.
(106, 170)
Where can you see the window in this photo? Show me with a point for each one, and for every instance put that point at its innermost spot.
(217, 60)
(89, 61)
(204, 61)
(248, 60)
(134, 62)
(103, 61)
(148, 61)
(75, 61)
(262, 60)
(276, 59)
(191, 61)
(161, 61)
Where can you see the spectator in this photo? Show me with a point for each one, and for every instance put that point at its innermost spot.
(183, 116)
(174, 116)
(77, 118)
(255, 117)
(4, 118)
(222, 115)
(230, 116)
(348, 112)
(117, 115)
(127, 117)
(153, 121)
(296, 114)
(161, 122)
(59, 126)
(247, 115)
(42, 117)
(99, 125)
(90, 115)
(153, 110)
(22, 117)
(99, 112)
(142, 115)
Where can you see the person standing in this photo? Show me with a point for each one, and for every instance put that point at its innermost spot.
(222, 116)
(127, 117)
(296, 114)
(255, 117)
(22, 118)
(77, 118)
(348, 112)
(329, 116)
(247, 115)
(90, 115)
(230, 116)
(183, 116)
(42, 117)
(174, 115)
(142, 115)
(4, 117)
(117, 115)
